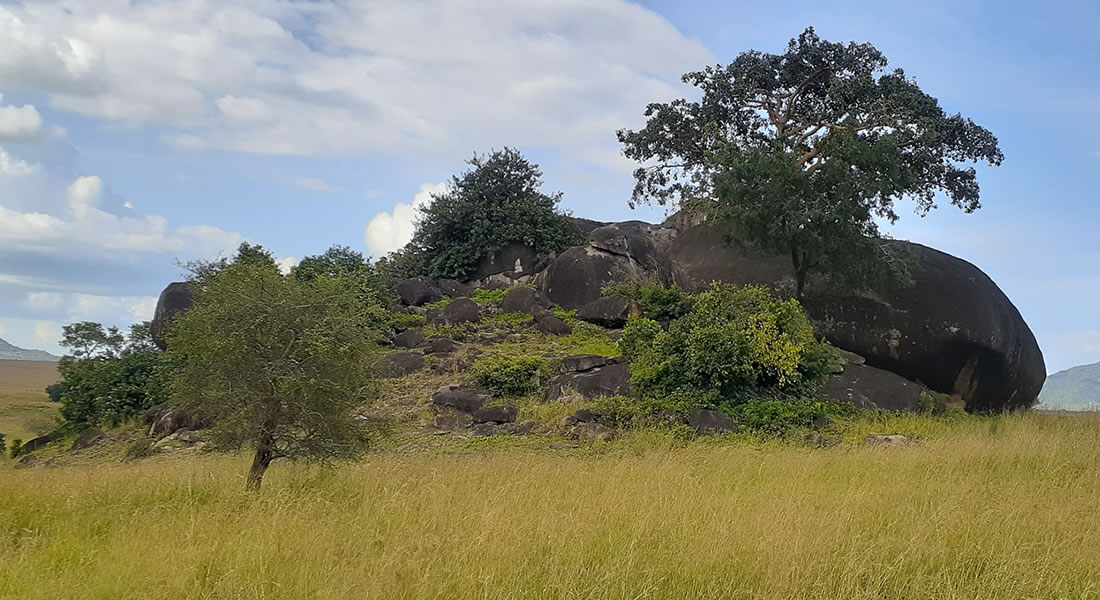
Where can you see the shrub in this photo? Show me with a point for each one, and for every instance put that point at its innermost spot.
(482, 296)
(780, 415)
(16, 448)
(509, 375)
(658, 302)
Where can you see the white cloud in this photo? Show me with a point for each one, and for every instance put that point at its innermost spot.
(285, 264)
(43, 301)
(390, 231)
(312, 184)
(19, 122)
(356, 77)
(47, 334)
(15, 167)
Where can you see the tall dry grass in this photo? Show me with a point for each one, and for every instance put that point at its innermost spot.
(1006, 508)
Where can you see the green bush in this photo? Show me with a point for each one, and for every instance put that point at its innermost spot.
(510, 375)
(733, 339)
(778, 416)
(482, 296)
(658, 302)
(16, 448)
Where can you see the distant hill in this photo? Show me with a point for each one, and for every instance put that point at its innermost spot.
(10, 352)
(1073, 389)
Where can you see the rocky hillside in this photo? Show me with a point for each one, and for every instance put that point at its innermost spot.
(10, 352)
(1077, 388)
(953, 330)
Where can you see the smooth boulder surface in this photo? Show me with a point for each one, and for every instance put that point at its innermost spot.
(410, 338)
(868, 387)
(611, 312)
(173, 301)
(601, 382)
(418, 291)
(524, 300)
(400, 364)
(953, 330)
(462, 310)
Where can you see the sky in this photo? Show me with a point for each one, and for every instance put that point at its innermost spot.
(136, 135)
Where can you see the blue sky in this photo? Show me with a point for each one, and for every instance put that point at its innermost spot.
(137, 134)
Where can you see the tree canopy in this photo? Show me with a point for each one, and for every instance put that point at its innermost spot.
(496, 202)
(279, 364)
(801, 151)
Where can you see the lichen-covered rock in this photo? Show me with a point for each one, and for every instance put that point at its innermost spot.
(524, 300)
(868, 387)
(548, 324)
(496, 414)
(600, 382)
(409, 339)
(710, 421)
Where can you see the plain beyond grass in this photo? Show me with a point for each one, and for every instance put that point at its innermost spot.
(25, 410)
(982, 508)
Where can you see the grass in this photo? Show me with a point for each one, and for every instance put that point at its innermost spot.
(25, 410)
(981, 508)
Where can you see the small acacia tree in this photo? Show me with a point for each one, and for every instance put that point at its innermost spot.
(800, 151)
(279, 364)
(495, 203)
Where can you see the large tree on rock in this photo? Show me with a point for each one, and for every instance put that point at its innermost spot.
(799, 152)
(495, 203)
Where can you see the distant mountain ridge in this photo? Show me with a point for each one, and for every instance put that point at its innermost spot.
(10, 352)
(1077, 388)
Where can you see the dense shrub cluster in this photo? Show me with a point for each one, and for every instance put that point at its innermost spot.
(108, 377)
(510, 376)
(658, 302)
(739, 349)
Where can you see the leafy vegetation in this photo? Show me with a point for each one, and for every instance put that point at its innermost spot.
(495, 203)
(108, 377)
(800, 152)
(510, 376)
(658, 302)
(278, 364)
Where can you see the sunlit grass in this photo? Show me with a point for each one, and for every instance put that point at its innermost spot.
(981, 508)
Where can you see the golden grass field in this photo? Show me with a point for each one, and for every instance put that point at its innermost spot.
(1003, 508)
(25, 410)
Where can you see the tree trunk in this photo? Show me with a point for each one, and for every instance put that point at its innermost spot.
(800, 271)
(260, 462)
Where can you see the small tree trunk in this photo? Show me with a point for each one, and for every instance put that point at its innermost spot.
(800, 272)
(260, 462)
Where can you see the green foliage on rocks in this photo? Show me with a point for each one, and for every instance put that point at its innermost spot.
(510, 376)
(495, 203)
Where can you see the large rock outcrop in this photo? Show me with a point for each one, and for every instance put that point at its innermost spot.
(175, 299)
(954, 330)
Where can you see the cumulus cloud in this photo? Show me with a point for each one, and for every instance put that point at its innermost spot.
(19, 122)
(425, 77)
(285, 264)
(390, 231)
(14, 167)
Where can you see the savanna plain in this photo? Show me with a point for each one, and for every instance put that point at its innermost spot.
(993, 507)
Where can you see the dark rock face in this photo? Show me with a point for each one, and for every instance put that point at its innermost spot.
(174, 300)
(600, 382)
(617, 252)
(709, 421)
(585, 362)
(462, 401)
(418, 291)
(612, 312)
(165, 419)
(548, 324)
(954, 330)
(88, 439)
(462, 310)
(452, 422)
(400, 364)
(496, 414)
(455, 289)
(442, 345)
(868, 387)
(513, 261)
(592, 432)
(40, 442)
(524, 300)
(409, 339)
